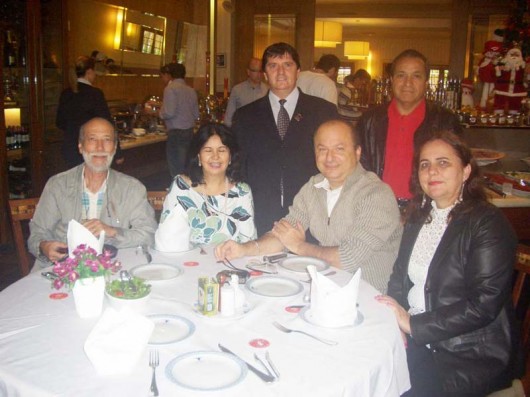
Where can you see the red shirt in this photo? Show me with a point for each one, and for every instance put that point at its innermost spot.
(399, 149)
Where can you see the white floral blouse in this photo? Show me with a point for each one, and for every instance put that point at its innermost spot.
(191, 217)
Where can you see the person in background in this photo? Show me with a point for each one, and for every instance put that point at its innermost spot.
(321, 81)
(210, 204)
(351, 213)
(451, 285)
(95, 195)
(76, 106)
(353, 95)
(246, 92)
(391, 132)
(276, 136)
(180, 109)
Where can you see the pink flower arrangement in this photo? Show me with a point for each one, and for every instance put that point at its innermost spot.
(85, 263)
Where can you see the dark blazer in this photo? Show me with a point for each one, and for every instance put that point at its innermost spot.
(75, 109)
(469, 319)
(373, 130)
(267, 160)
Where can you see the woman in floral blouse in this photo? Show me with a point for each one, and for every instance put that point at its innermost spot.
(210, 204)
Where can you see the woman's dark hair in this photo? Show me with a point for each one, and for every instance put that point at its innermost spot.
(473, 188)
(82, 64)
(200, 138)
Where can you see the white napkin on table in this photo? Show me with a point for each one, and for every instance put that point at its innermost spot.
(331, 305)
(78, 234)
(117, 341)
(173, 234)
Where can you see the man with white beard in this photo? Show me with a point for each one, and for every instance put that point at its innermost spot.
(95, 195)
(509, 86)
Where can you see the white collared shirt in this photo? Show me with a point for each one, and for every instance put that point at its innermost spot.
(290, 104)
(83, 80)
(332, 195)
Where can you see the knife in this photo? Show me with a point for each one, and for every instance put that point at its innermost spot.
(147, 254)
(264, 377)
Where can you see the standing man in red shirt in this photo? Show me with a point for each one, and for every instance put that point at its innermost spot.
(390, 132)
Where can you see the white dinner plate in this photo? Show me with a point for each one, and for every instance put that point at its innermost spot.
(299, 264)
(172, 253)
(274, 286)
(307, 316)
(206, 370)
(170, 328)
(156, 272)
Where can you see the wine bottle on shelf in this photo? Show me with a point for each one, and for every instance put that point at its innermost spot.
(10, 54)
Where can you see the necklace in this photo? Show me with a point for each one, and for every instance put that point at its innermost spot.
(217, 211)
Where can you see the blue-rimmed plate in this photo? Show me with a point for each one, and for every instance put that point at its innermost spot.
(274, 286)
(156, 272)
(299, 264)
(170, 328)
(206, 370)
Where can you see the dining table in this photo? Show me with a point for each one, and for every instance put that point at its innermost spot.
(42, 338)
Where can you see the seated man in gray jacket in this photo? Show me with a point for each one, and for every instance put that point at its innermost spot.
(96, 196)
(352, 214)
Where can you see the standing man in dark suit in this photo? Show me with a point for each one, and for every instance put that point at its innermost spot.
(276, 136)
(79, 104)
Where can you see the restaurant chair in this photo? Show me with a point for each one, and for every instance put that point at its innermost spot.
(21, 210)
(522, 270)
(156, 199)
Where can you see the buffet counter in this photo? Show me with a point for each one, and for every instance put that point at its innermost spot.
(132, 141)
(516, 209)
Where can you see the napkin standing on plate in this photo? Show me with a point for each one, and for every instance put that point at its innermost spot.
(332, 305)
(78, 234)
(173, 234)
(117, 341)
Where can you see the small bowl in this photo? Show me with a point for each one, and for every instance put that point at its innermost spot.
(138, 305)
(138, 131)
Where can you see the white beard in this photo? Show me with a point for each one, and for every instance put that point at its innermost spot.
(513, 64)
(98, 168)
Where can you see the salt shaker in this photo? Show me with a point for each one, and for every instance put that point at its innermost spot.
(239, 295)
(228, 300)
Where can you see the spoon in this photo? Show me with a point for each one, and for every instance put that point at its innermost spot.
(126, 277)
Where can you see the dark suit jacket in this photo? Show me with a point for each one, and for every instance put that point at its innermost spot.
(75, 109)
(267, 160)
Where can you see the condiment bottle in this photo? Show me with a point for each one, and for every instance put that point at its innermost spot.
(239, 295)
(227, 300)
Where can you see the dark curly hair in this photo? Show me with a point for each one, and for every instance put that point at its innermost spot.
(205, 132)
(473, 188)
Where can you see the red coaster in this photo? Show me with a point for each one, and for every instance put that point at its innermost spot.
(259, 343)
(58, 295)
(292, 309)
(191, 263)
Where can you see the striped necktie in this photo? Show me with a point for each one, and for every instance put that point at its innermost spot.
(283, 119)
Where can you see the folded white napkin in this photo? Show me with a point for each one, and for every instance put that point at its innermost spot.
(78, 234)
(118, 341)
(331, 305)
(173, 234)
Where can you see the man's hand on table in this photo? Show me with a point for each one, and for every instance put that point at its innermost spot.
(292, 237)
(53, 250)
(229, 250)
(95, 226)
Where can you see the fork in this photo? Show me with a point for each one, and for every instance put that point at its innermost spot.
(153, 363)
(288, 330)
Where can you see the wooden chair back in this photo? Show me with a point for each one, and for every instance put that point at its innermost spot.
(156, 199)
(21, 210)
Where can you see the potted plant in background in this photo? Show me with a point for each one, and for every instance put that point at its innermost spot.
(84, 273)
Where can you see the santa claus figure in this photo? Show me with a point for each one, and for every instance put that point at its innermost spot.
(467, 94)
(486, 69)
(510, 84)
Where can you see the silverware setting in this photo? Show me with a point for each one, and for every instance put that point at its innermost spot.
(230, 265)
(268, 378)
(153, 363)
(268, 364)
(288, 330)
(144, 250)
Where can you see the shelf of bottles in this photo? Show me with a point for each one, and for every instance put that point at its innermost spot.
(15, 88)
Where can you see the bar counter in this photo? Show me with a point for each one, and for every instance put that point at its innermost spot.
(131, 141)
(516, 209)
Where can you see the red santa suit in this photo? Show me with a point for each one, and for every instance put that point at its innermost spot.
(509, 86)
(486, 69)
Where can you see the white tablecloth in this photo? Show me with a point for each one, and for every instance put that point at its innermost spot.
(41, 342)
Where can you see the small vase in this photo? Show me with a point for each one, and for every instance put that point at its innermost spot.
(88, 296)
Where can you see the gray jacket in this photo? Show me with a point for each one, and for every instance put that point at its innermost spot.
(125, 207)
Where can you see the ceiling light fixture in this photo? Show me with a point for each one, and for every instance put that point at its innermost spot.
(356, 49)
(327, 34)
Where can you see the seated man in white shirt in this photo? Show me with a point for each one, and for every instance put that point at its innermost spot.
(352, 214)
